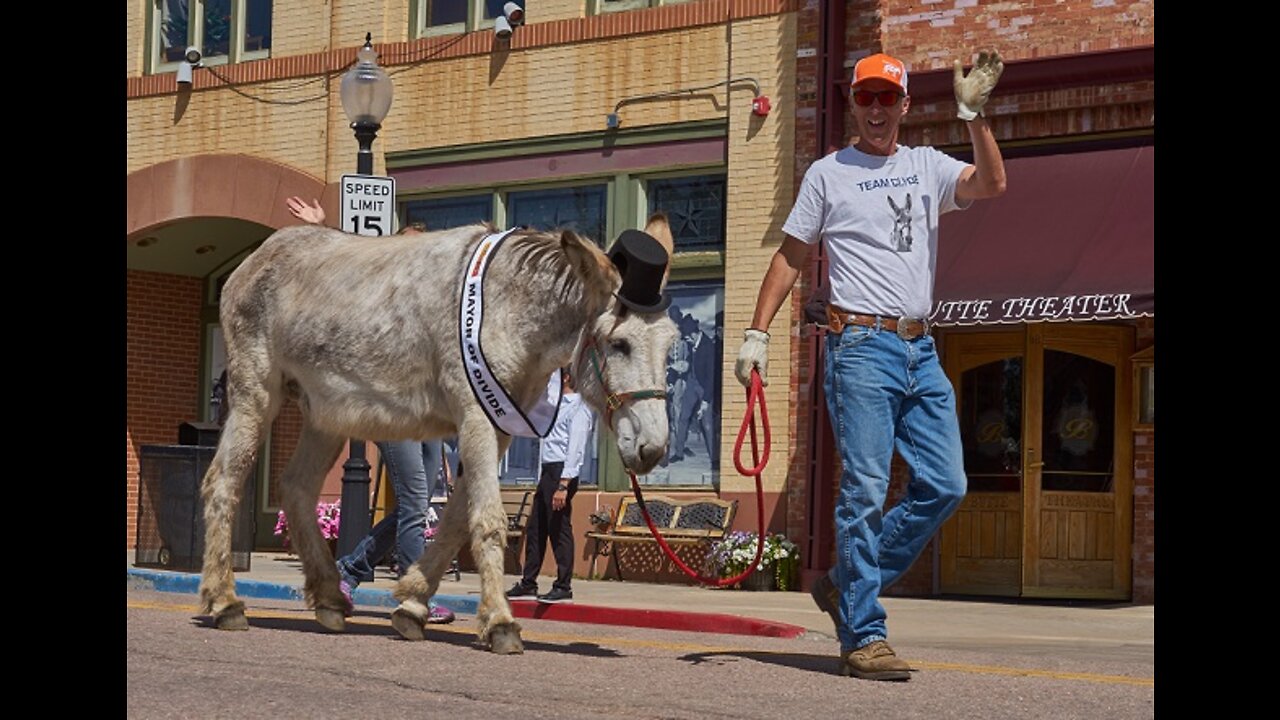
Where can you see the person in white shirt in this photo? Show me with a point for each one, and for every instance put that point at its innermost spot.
(563, 451)
(874, 205)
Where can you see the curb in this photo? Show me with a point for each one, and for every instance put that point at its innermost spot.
(173, 582)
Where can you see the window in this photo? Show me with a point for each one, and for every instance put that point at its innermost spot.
(695, 205)
(444, 213)
(444, 17)
(605, 6)
(581, 209)
(223, 30)
(695, 208)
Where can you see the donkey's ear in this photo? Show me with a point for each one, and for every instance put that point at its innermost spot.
(599, 277)
(892, 204)
(660, 229)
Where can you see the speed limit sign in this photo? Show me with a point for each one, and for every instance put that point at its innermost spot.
(368, 204)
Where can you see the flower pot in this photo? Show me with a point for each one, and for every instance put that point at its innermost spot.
(759, 580)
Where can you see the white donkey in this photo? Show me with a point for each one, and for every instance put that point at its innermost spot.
(364, 334)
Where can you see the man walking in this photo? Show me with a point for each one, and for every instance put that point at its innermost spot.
(876, 205)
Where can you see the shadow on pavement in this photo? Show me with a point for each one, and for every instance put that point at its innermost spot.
(454, 637)
(825, 664)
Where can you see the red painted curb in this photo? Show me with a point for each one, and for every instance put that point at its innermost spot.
(658, 619)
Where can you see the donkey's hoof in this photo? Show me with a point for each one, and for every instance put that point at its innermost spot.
(410, 619)
(505, 640)
(331, 619)
(231, 619)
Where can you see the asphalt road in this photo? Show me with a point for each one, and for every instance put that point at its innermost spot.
(287, 666)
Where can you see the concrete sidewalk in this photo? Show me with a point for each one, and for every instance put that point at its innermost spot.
(940, 622)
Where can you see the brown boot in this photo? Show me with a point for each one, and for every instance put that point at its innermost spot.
(875, 661)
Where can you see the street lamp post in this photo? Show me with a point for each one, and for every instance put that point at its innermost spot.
(366, 98)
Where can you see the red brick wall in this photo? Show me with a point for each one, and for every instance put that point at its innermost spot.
(932, 34)
(162, 351)
(1144, 494)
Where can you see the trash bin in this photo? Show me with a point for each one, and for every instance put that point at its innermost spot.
(171, 511)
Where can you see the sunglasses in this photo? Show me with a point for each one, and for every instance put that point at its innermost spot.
(888, 98)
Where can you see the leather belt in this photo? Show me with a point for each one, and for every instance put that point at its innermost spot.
(906, 328)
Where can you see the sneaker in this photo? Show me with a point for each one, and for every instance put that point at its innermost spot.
(827, 597)
(875, 661)
(440, 615)
(520, 590)
(557, 595)
(346, 593)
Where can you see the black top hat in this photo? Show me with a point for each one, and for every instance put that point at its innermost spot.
(642, 262)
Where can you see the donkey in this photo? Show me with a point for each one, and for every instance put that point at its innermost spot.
(363, 333)
(901, 224)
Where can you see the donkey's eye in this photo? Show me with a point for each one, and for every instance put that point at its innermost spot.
(621, 346)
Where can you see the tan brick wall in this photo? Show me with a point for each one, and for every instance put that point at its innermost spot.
(302, 26)
(135, 24)
(537, 11)
(556, 90)
(162, 354)
(760, 191)
(224, 121)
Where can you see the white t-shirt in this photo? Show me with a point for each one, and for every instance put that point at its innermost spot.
(879, 218)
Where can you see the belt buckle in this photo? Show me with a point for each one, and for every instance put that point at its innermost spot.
(903, 332)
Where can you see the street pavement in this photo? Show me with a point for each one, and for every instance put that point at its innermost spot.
(1051, 632)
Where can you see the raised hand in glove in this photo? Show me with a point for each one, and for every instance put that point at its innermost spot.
(972, 91)
(754, 353)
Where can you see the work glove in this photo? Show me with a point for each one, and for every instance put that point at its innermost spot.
(972, 91)
(754, 353)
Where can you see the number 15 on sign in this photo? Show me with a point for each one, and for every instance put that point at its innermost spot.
(368, 204)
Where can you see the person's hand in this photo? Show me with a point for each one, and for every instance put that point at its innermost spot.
(562, 494)
(754, 353)
(972, 91)
(313, 214)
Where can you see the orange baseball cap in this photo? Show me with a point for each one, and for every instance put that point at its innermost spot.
(884, 67)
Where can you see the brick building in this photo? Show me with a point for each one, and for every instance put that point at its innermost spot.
(520, 133)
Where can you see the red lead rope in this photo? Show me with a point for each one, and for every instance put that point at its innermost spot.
(755, 396)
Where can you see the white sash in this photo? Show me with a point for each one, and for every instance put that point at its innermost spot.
(503, 412)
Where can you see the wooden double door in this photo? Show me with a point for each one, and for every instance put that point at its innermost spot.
(1045, 418)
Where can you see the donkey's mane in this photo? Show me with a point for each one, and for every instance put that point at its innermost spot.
(539, 254)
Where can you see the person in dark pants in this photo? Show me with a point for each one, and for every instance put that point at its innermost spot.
(563, 450)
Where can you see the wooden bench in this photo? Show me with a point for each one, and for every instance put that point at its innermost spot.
(517, 504)
(688, 526)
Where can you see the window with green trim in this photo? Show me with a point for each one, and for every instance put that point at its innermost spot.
(450, 212)
(606, 6)
(446, 17)
(225, 31)
(600, 208)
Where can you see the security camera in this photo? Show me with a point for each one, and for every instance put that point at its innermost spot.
(514, 14)
(512, 17)
(502, 28)
(192, 58)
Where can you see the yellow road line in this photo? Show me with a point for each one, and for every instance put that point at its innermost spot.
(464, 629)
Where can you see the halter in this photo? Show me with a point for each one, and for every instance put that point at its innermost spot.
(612, 400)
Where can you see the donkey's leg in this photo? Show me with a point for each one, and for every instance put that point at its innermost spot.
(254, 406)
(300, 485)
(488, 523)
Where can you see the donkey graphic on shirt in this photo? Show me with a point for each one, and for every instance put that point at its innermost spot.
(901, 237)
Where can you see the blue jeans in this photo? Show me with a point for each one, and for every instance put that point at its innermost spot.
(407, 462)
(884, 391)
